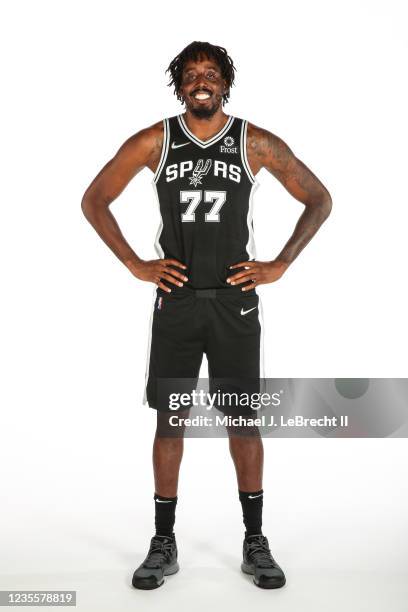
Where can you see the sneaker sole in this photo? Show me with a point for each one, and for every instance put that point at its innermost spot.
(271, 583)
(148, 584)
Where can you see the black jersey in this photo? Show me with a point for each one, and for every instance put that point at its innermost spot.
(205, 190)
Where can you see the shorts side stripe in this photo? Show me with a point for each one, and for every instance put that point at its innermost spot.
(149, 347)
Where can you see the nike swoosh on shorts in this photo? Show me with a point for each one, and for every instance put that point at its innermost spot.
(244, 312)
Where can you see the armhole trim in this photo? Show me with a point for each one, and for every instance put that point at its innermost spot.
(245, 162)
(164, 151)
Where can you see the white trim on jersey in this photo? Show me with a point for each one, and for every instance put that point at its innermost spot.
(204, 143)
(157, 244)
(163, 157)
(245, 163)
(250, 247)
(164, 151)
(149, 346)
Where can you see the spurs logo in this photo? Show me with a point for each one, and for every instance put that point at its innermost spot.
(199, 171)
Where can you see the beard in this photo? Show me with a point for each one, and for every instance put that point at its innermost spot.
(204, 112)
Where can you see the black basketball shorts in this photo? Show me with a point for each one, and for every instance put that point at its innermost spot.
(224, 324)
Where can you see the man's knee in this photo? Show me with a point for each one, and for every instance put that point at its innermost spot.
(170, 424)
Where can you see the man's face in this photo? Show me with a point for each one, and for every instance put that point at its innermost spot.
(202, 87)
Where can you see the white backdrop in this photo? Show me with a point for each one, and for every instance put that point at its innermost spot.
(77, 512)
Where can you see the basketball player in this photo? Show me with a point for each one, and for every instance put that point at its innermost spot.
(204, 164)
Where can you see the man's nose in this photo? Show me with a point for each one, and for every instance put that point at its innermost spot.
(201, 80)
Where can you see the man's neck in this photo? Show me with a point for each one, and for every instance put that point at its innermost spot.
(204, 129)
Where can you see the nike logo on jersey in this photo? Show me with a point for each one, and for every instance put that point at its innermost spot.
(253, 496)
(244, 312)
(177, 146)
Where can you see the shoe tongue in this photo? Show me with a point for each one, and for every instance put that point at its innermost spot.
(163, 539)
(257, 539)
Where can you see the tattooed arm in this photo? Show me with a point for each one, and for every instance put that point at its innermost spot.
(265, 150)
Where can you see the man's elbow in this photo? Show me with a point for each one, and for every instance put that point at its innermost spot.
(92, 202)
(87, 206)
(325, 205)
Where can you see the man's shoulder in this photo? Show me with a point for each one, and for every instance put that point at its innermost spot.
(147, 140)
(255, 131)
(153, 135)
(150, 133)
(261, 141)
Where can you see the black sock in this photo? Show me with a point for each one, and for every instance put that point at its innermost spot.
(252, 511)
(165, 514)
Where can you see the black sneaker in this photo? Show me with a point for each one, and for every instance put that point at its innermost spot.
(161, 561)
(258, 561)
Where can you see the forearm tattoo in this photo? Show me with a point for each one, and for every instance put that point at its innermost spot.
(266, 150)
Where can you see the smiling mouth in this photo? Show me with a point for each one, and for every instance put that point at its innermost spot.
(201, 94)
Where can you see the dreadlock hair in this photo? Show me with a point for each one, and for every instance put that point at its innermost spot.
(193, 52)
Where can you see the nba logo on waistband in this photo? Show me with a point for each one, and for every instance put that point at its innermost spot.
(159, 303)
